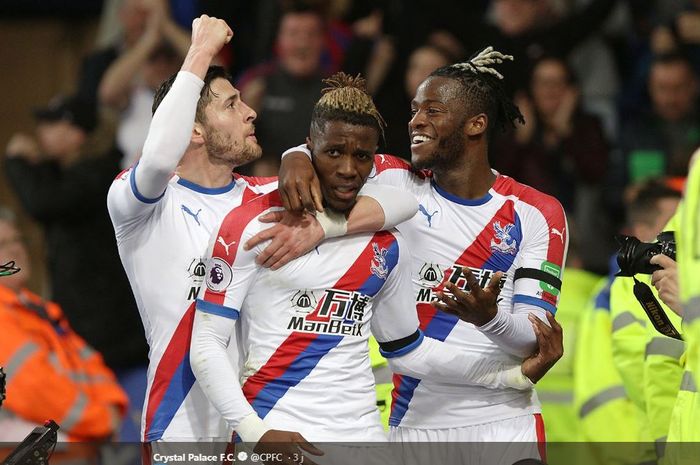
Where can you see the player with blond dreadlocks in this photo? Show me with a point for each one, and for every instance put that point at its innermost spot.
(487, 259)
(304, 328)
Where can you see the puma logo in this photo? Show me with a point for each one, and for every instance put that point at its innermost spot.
(221, 241)
(428, 216)
(556, 232)
(193, 215)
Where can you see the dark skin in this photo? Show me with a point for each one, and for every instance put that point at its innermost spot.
(343, 156)
(449, 139)
(457, 149)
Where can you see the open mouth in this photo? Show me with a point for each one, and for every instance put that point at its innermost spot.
(419, 139)
(345, 192)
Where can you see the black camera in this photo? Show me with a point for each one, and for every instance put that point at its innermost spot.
(634, 255)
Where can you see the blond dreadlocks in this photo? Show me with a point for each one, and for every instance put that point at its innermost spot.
(346, 99)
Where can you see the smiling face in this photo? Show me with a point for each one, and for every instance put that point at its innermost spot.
(343, 156)
(437, 126)
(227, 126)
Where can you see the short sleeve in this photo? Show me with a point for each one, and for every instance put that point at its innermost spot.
(231, 270)
(127, 207)
(395, 316)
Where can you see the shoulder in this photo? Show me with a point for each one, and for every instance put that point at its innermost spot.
(257, 183)
(384, 162)
(531, 199)
(238, 219)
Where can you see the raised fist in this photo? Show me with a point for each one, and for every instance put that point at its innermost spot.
(210, 34)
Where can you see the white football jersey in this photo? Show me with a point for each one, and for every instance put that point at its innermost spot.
(514, 229)
(304, 328)
(162, 244)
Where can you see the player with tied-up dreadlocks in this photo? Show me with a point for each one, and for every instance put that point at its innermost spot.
(487, 257)
(304, 327)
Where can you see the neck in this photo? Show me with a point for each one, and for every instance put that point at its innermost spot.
(196, 166)
(470, 177)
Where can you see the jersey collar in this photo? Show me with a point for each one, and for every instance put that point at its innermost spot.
(207, 190)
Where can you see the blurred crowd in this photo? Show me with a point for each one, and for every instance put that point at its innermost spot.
(608, 90)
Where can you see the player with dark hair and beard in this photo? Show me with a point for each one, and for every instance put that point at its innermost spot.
(487, 259)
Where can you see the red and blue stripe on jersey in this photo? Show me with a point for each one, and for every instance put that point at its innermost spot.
(174, 377)
(301, 352)
(438, 324)
(384, 162)
(231, 230)
(172, 381)
(553, 214)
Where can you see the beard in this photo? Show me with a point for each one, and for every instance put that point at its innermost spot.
(221, 147)
(449, 150)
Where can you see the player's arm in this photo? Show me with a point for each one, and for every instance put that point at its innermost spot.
(210, 356)
(536, 287)
(301, 188)
(134, 193)
(379, 207)
(211, 351)
(173, 121)
(512, 331)
(217, 309)
(395, 326)
(230, 273)
(296, 233)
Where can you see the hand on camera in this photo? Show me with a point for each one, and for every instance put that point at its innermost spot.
(665, 281)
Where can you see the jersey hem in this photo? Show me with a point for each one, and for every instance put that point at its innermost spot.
(531, 411)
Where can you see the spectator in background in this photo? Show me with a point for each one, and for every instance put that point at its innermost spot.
(65, 189)
(137, 17)
(129, 83)
(661, 140)
(51, 371)
(562, 151)
(531, 29)
(679, 31)
(283, 93)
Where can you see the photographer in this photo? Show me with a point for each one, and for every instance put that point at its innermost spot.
(648, 361)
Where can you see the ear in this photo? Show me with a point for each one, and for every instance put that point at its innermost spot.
(476, 125)
(198, 134)
(309, 144)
